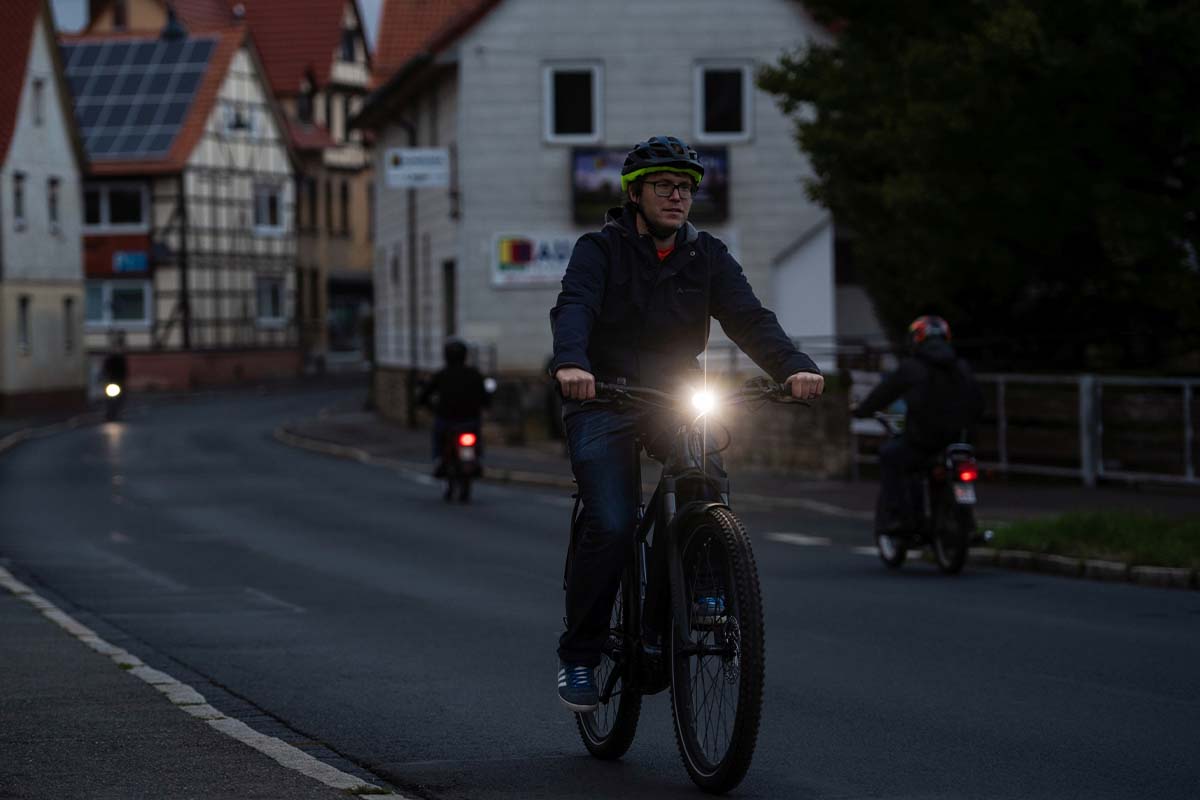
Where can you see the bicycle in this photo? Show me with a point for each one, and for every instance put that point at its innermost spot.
(696, 583)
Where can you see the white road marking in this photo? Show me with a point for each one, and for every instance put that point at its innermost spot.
(192, 702)
(800, 539)
(271, 599)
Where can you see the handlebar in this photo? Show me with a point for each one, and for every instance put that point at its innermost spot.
(753, 389)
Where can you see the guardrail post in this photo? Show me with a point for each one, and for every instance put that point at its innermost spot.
(1002, 423)
(1188, 434)
(1087, 429)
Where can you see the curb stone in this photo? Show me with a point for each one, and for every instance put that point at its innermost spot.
(1059, 565)
(1105, 570)
(1163, 576)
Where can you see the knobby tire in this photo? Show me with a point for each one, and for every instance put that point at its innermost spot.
(718, 536)
(608, 731)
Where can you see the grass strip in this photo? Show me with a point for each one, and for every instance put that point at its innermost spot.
(1134, 537)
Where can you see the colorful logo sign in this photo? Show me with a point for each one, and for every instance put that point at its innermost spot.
(530, 260)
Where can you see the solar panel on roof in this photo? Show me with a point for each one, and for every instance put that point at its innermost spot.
(131, 97)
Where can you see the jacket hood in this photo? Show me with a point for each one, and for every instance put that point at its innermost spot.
(937, 352)
(625, 218)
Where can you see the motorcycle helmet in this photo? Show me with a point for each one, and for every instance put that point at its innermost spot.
(660, 154)
(455, 352)
(926, 327)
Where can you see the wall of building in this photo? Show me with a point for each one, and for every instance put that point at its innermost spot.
(528, 189)
(41, 260)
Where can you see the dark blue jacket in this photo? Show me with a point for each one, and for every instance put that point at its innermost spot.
(623, 314)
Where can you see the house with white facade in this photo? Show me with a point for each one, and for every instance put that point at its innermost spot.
(533, 105)
(188, 206)
(41, 264)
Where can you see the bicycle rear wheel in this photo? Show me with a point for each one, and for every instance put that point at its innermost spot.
(717, 664)
(609, 730)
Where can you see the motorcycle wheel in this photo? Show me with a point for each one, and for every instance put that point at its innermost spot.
(891, 552)
(952, 526)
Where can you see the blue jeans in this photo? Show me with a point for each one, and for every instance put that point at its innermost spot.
(601, 442)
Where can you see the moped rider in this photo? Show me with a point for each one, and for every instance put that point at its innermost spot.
(457, 394)
(942, 400)
(635, 306)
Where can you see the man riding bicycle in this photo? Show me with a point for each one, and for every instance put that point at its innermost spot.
(635, 306)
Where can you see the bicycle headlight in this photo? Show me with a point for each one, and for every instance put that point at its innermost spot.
(704, 401)
(112, 390)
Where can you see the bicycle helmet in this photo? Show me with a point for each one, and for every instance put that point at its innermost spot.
(660, 154)
(926, 327)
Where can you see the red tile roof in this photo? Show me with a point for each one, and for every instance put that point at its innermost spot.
(203, 15)
(296, 37)
(228, 43)
(309, 136)
(17, 18)
(410, 27)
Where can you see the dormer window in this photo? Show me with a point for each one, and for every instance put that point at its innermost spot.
(304, 105)
(348, 48)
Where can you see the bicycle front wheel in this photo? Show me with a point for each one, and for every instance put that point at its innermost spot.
(717, 664)
(609, 730)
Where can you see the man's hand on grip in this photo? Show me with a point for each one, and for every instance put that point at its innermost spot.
(575, 383)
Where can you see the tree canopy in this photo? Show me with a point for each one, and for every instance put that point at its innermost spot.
(1028, 169)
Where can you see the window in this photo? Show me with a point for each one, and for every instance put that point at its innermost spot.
(329, 206)
(268, 208)
(52, 203)
(23, 343)
(19, 200)
(39, 101)
(348, 37)
(116, 207)
(304, 106)
(572, 98)
(238, 119)
(722, 102)
(117, 303)
(270, 300)
(310, 185)
(345, 208)
(69, 324)
(120, 17)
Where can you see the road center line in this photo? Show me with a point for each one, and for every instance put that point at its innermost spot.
(801, 539)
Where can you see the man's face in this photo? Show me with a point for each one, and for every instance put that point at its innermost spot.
(671, 211)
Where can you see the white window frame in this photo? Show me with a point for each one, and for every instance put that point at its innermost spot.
(747, 132)
(596, 68)
(261, 191)
(265, 321)
(243, 111)
(107, 322)
(104, 187)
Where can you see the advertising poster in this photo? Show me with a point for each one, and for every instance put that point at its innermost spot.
(596, 184)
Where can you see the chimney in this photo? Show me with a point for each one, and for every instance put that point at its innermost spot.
(174, 29)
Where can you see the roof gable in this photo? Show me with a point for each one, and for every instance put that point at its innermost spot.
(408, 28)
(296, 38)
(17, 25)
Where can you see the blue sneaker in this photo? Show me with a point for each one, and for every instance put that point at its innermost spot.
(577, 687)
(708, 611)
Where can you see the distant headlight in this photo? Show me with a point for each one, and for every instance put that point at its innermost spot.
(112, 390)
(704, 401)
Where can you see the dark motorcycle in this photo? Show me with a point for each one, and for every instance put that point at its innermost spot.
(943, 493)
(460, 462)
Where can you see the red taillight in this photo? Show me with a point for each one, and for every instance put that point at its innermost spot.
(967, 472)
(466, 439)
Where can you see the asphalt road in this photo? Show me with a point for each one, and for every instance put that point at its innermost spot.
(346, 605)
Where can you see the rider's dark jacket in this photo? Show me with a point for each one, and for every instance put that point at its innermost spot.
(941, 396)
(623, 314)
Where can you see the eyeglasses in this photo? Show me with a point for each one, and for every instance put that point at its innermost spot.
(666, 188)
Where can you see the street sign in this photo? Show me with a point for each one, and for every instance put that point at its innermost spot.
(417, 167)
